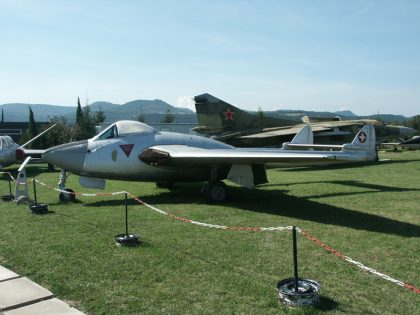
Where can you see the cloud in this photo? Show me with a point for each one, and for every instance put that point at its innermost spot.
(186, 102)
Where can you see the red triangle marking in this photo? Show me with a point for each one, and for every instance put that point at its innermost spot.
(127, 148)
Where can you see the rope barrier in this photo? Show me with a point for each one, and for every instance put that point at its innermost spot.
(215, 226)
(80, 194)
(282, 228)
(10, 175)
(360, 265)
(254, 229)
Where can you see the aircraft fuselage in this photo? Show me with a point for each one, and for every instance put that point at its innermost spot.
(119, 158)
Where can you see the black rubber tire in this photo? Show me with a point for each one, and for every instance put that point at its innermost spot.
(215, 192)
(71, 197)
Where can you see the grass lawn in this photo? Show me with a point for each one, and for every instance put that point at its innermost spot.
(370, 213)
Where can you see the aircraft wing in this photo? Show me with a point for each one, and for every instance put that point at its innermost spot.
(344, 123)
(361, 149)
(182, 155)
(319, 126)
(284, 131)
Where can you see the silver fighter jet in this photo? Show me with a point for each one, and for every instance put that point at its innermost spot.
(133, 151)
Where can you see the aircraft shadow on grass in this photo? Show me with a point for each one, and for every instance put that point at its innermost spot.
(343, 166)
(371, 188)
(31, 171)
(278, 202)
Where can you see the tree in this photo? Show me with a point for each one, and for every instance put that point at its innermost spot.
(79, 113)
(32, 130)
(99, 117)
(260, 114)
(85, 123)
(169, 117)
(414, 123)
(141, 117)
(61, 133)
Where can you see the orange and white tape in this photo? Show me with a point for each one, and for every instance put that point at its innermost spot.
(255, 229)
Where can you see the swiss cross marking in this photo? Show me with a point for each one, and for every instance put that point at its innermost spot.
(127, 148)
(362, 137)
(228, 114)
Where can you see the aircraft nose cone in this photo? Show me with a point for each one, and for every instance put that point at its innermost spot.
(406, 131)
(69, 156)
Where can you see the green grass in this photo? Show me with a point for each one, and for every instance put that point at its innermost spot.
(370, 213)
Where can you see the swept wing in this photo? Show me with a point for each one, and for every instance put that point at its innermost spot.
(361, 149)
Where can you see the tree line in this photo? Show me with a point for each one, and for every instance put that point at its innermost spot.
(414, 123)
(63, 132)
(86, 123)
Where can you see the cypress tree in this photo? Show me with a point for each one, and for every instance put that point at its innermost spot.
(79, 113)
(32, 130)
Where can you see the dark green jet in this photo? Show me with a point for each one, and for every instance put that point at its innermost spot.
(225, 122)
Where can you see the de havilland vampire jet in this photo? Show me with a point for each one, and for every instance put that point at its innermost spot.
(133, 151)
(227, 123)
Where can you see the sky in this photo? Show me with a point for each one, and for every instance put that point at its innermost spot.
(356, 55)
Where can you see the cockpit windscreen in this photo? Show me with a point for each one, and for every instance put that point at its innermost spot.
(123, 128)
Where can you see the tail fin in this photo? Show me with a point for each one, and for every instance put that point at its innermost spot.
(215, 116)
(365, 140)
(304, 136)
(306, 119)
(304, 139)
(365, 137)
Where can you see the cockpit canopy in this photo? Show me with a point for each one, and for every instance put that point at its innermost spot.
(124, 128)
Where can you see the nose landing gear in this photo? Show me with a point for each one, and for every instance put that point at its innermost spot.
(69, 195)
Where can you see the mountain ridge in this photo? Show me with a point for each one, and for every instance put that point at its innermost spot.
(14, 112)
(155, 110)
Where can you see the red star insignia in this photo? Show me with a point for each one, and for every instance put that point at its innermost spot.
(228, 115)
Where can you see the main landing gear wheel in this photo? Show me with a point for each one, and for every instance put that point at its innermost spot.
(215, 192)
(67, 197)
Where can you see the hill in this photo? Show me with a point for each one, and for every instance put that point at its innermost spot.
(345, 115)
(17, 112)
(155, 110)
(388, 117)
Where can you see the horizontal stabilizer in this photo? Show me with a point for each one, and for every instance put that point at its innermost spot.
(364, 140)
